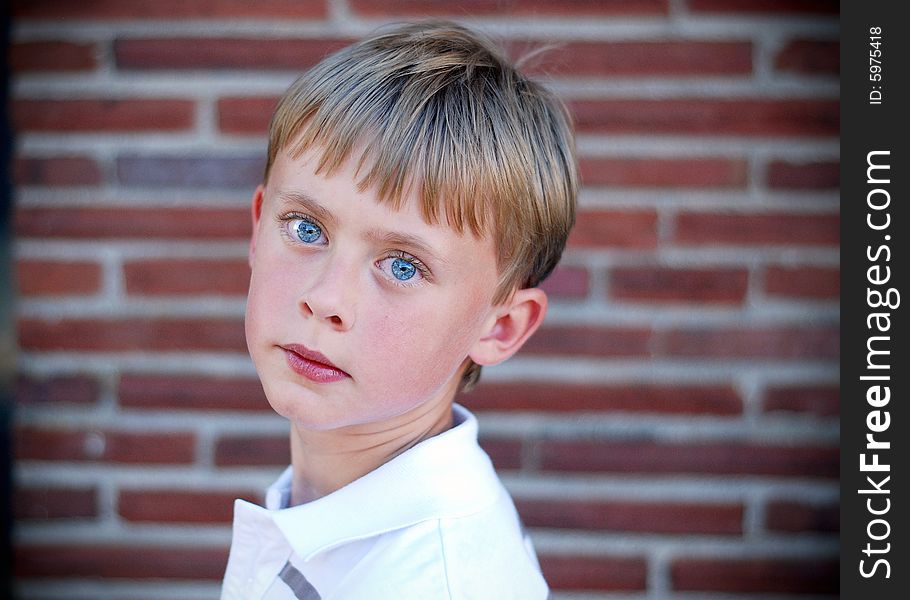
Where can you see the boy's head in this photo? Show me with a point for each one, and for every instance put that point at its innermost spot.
(431, 114)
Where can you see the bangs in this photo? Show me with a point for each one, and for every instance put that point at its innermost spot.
(431, 126)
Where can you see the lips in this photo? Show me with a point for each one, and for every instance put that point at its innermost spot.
(311, 364)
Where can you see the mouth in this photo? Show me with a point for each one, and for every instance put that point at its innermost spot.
(311, 364)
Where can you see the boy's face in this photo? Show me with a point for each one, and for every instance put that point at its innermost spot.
(395, 304)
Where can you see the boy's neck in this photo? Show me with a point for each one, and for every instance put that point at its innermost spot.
(325, 461)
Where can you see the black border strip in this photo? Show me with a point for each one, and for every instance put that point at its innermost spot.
(874, 267)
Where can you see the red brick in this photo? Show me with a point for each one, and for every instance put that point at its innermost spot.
(803, 282)
(52, 56)
(615, 228)
(756, 575)
(590, 341)
(246, 115)
(636, 59)
(658, 284)
(820, 400)
(163, 277)
(67, 444)
(103, 115)
(244, 451)
(664, 172)
(760, 118)
(793, 516)
(57, 278)
(140, 561)
(567, 282)
(223, 53)
(227, 172)
(168, 9)
(709, 228)
(188, 392)
(804, 176)
(542, 397)
(141, 335)
(768, 6)
(57, 171)
(45, 502)
(639, 516)
(795, 341)
(505, 454)
(180, 506)
(612, 573)
(88, 223)
(71, 389)
(809, 56)
(508, 7)
(708, 458)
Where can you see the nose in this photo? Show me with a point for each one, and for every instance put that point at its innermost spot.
(331, 295)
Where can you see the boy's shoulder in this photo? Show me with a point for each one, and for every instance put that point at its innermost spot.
(483, 555)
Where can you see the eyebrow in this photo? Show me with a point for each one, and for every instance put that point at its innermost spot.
(290, 199)
(303, 200)
(396, 238)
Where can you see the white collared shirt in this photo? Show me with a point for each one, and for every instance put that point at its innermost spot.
(433, 523)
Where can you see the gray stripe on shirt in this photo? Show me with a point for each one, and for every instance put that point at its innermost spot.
(303, 589)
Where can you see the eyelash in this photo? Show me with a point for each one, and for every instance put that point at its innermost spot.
(286, 219)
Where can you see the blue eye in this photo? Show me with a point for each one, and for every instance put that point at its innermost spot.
(403, 269)
(307, 231)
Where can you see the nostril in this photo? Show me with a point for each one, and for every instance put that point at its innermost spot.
(335, 319)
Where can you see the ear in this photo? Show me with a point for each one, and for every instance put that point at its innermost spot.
(257, 215)
(510, 326)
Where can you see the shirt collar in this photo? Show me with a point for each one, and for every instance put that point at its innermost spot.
(447, 475)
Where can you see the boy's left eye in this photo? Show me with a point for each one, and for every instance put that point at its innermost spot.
(403, 268)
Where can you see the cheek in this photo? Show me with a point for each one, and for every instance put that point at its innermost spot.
(421, 349)
(267, 299)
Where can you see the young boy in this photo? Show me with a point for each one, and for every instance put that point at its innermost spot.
(418, 189)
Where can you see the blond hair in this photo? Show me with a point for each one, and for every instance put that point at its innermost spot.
(436, 108)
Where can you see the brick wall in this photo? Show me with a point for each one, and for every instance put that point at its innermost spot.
(672, 430)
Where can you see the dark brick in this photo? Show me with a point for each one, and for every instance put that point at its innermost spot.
(615, 229)
(638, 516)
(191, 171)
(820, 400)
(711, 117)
(642, 398)
(793, 516)
(90, 223)
(756, 575)
(57, 171)
(703, 228)
(659, 284)
(121, 561)
(664, 172)
(164, 277)
(103, 115)
(607, 573)
(191, 392)
(70, 389)
(707, 458)
(40, 503)
(132, 334)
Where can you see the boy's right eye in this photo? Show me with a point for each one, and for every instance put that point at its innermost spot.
(305, 231)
